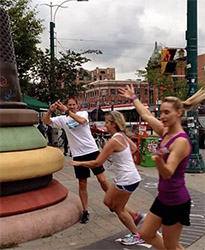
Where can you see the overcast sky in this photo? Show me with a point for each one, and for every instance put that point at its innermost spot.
(124, 30)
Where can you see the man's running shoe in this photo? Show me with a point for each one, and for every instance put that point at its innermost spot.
(132, 239)
(139, 218)
(85, 217)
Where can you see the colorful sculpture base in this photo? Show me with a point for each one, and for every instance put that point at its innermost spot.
(20, 165)
(43, 222)
(21, 138)
(53, 193)
(16, 187)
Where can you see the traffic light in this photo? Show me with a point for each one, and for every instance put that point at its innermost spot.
(168, 64)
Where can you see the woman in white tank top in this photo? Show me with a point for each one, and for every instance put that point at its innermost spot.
(127, 178)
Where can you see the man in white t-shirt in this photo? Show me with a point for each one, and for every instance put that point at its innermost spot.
(82, 145)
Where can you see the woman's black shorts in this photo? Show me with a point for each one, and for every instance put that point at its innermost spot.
(84, 172)
(172, 214)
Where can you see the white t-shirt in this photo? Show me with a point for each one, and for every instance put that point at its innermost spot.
(79, 136)
(124, 166)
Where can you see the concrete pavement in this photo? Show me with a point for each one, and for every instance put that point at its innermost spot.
(104, 227)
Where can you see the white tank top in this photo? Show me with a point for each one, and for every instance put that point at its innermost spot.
(123, 164)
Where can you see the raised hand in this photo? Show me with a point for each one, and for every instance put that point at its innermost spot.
(61, 106)
(53, 107)
(127, 92)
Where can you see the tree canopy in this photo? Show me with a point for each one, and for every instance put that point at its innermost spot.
(167, 85)
(53, 80)
(26, 30)
(40, 76)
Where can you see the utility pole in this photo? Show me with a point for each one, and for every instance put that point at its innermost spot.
(52, 23)
(52, 26)
(196, 164)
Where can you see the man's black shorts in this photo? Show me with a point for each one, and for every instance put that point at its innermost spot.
(84, 172)
(172, 214)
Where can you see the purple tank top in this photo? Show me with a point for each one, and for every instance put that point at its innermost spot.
(173, 191)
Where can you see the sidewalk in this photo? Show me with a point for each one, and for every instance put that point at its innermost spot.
(104, 227)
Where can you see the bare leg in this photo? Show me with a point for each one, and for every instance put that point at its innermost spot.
(103, 182)
(180, 247)
(149, 231)
(171, 235)
(116, 200)
(83, 193)
(131, 211)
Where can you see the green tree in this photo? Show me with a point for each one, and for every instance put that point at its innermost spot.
(53, 80)
(26, 30)
(167, 85)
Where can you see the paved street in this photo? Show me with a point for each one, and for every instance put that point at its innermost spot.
(104, 228)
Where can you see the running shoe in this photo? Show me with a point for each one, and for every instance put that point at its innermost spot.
(85, 217)
(132, 239)
(139, 218)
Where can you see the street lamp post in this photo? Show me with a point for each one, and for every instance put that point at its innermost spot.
(196, 164)
(52, 22)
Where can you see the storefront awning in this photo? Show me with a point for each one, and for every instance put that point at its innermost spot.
(35, 104)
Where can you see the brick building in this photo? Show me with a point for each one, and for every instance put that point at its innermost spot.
(179, 73)
(201, 69)
(95, 75)
(182, 63)
(101, 88)
(105, 92)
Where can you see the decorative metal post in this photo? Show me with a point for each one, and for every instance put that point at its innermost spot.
(196, 164)
(52, 26)
(10, 92)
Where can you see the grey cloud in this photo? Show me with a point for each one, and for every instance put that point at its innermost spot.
(125, 31)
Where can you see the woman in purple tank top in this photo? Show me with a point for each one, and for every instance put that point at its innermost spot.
(171, 208)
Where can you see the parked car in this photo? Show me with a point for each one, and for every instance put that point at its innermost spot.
(98, 127)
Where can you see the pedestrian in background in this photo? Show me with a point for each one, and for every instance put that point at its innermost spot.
(127, 178)
(65, 142)
(50, 135)
(42, 128)
(171, 208)
(82, 145)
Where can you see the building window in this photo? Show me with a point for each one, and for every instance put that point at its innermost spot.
(104, 92)
(102, 72)
(88, 78)
(95, 78)
(80, 77)
(112, 91)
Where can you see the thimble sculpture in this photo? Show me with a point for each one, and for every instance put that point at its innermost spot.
(32, 203)
(10, 95)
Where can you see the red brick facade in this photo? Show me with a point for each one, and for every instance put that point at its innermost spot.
(105, 92)
(95, 75)
(102, 88)
(201, 69)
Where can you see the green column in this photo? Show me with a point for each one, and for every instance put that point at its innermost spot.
(52, 26)
(196, 164)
